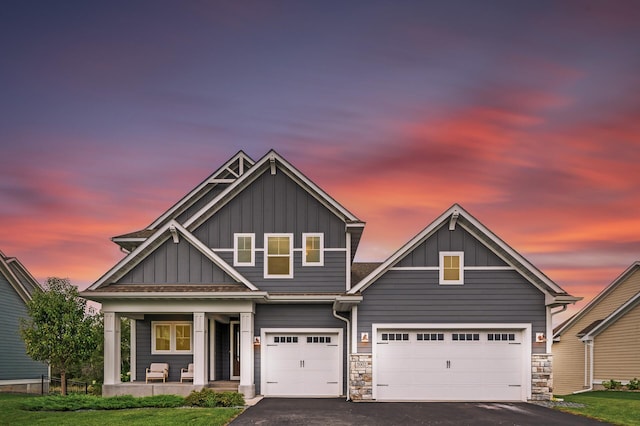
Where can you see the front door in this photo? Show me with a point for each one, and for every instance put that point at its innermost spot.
(235, 350)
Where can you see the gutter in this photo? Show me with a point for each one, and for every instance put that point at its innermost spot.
(346, 320)
(590, 344)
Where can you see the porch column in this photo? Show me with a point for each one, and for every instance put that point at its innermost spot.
(199, 349)
(111, 348)
(247, 385)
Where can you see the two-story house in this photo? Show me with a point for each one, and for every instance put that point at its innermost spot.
(250, 277)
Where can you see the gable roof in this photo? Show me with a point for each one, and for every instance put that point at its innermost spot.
(600, 296)
(18, 277)
(612, 318)
(456, 215)
(169, 230)
(232, 169)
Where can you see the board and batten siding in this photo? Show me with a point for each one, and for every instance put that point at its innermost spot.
(179, 263)
(15, 363)
(404, 296)
(195, 207)
(428, 253)
(271, 204)
(296, 316)
(569, 352)
(144, 357)
(617, 349)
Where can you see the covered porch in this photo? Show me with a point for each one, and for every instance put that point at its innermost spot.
(216, 336)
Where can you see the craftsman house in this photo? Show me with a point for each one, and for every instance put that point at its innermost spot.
(18, 372)
(250, 278)
(602, 341)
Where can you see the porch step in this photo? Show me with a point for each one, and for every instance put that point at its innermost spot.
(224, 385)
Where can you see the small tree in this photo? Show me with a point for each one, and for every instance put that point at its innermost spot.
(59, 329)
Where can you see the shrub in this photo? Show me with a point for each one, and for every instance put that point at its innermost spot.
(76, 402)
(612, 385)
(210, 398)
(634, 384)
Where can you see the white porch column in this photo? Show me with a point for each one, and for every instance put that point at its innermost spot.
(111, 348)
(247, 384)
(199, 349)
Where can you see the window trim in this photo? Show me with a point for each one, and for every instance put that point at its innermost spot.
(266, 256)
(172, 337)
(236, 262)
(306, 235)
(459, 281)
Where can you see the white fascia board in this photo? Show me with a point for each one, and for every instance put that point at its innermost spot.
(251, 175)
(133, 258)
(510, 251)
(210, 179)
(212, 256)
(174, 295)
(415, 241)
(14, 281)
(612, 318)
(608, 289)
(166, 306)
(128, 239)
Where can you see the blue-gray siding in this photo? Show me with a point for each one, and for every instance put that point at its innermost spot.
(179, 263)
(213, 193)
(15, 364)
(502, 296)
(306, 279)
(276, 204)
(475, 253)
(144, 358)
(296, 316)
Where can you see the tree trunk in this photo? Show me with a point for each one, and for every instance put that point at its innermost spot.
(63, 382)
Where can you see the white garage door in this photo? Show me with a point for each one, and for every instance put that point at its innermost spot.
(302, 364)
(449, 365)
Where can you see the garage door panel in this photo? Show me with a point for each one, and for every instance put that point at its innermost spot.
(305, 365)
(461, 365)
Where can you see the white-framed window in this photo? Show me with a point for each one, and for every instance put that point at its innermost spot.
(312, 249)
(451, 267)
(244, 248)
(278, 255)
(169, 337)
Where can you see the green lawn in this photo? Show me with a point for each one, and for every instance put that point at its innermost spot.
(11, 414)
(619, 408)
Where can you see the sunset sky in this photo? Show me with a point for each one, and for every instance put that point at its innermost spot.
(525, 113)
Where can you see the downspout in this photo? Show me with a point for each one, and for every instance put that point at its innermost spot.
(346, 320)
(590, 388)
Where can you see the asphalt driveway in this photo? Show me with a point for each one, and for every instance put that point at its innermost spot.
(338, 412)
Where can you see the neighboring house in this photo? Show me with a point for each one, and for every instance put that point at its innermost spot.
(602, 341)
(18, 372)
(250, 277)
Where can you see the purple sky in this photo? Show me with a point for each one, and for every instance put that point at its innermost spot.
(525, 113)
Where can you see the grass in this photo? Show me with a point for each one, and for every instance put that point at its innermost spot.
(11, 407)
(619, 408)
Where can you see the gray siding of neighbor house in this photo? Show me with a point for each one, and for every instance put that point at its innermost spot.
(276, 204)
(143, 348)
(15, 364)
(173, 263)
(428, 253)
(297, 316)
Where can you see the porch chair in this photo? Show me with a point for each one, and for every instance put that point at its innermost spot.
(186, 373)
(157, 370)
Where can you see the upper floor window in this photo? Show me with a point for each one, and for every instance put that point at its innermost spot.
(313, 245)
(278, 256)
(243, 250)
(451, 267)
(171, 337)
